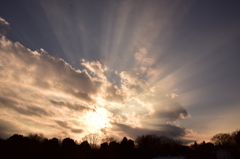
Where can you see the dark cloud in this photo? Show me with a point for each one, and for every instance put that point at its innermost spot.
(6, 102)
(112, 94)
(78, 131)
(22, 109)
(163, 130)
(175, 111)
(66, 125)
(80, 95)
(188, 141)
(8, 128)
(38, 110)
(70, 105)
(63, 124)
(136, 88)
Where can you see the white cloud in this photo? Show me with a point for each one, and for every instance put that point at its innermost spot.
(96, 68)
(44, 71)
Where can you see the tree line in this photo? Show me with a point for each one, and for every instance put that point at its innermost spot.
(144, 147)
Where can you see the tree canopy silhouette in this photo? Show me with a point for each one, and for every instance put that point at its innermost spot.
(93, 140)
(145, 147)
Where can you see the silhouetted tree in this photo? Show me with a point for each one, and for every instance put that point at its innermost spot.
(147, 146)
(236, 137)
(18, 146)
(104, 151)
(35, 143)
(127, 144)
(82, 150)
(85, 145)
(147, 142)
(36, 137)
(50, 148)
(68, 148)
(194, 146)
(222, 139)
(92, 139)
(2, 147)
(104, 146)
(154, 145)
(127, 148)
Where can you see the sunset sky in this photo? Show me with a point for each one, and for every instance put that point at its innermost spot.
(119, 68)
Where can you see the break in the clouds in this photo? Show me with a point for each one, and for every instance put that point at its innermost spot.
(42, 93)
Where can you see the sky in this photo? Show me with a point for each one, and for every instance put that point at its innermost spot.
(119, 68)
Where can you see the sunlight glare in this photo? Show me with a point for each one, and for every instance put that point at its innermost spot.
(98, 119)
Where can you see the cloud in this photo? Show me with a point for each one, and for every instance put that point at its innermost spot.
(141, 56)
(22, 109)
(171, 115)
(70, 105)
(145, 63)
(44, 71)
(8, 128)
(114, 94)
(77, 131)
(133, 83)
(110, 92)
(162, 130)
(63, 124)
(34, 85)
(96, 68)
(4, 25)
(3, 21)
(165, 107)
(66, 125)
(45, 94)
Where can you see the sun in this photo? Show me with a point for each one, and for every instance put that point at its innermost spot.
(97, 119)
